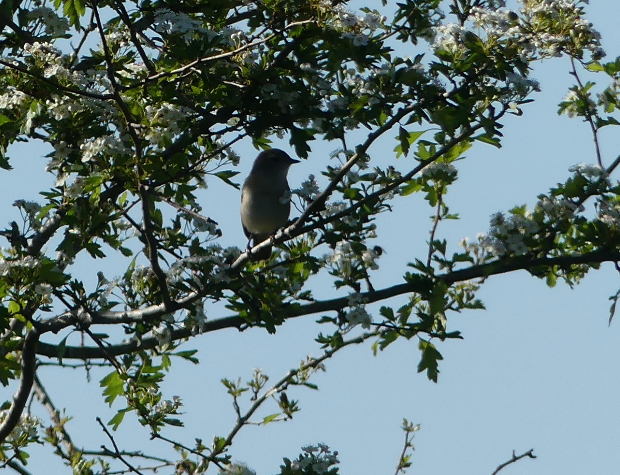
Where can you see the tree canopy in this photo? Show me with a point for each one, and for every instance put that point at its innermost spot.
(142, 107)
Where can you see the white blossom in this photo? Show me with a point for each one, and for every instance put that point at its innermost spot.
(163, 334)
(308, 190)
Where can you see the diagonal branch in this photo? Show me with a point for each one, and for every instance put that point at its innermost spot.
(28, 370)
(116, 453)
(588, 114)
(152, 246)
(54, 413)
(515, 458)
(60, 87)
(298, 228)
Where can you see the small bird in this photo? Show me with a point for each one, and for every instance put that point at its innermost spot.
(265, 205)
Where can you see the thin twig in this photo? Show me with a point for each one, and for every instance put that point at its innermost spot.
(117, 453)
(108, 356)
(87, 31)
(60, 87)
(588, 116)
(282, 385)
(218, 57)
(436, 219)
(54, 414)
(403, 462)
(515, 458)
(122, 13)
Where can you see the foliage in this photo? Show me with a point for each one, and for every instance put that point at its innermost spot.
(142, 105)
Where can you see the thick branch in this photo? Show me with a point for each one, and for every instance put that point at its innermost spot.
(28, 369)
(474, 272)
(151, 247)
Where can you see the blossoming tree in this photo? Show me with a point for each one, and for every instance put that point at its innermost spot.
(144, 103)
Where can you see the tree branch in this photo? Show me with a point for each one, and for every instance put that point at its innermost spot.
(60, 87)
(18, 468)
(588, 114)
(282, 385)
(116, 453)
(515, 458)
(28, 369)
(151, 248)
(501, 266)
(54, 413)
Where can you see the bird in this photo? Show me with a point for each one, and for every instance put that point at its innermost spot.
(265, 205)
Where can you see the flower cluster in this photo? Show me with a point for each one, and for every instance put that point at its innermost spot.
(12, 99)
(167, 407)
(437, 169)
(177, 23)
(355, 27)
(357, 315)
(236, 469)
(448, 38)
(197, 319)
(107, 145)
(508, 234)
(26, 430)
(548, 28)
(53, 25)
(338, 207)
(308, 190)
(163, 334)
(28, 262)
(370, 256)
(609, 213)
(165, 122)
(516, 233)
(319, 458)
(576, 104)
(31, 211)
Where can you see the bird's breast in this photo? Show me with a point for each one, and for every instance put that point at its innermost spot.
(263, 211)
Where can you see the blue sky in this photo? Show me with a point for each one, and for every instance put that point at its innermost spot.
(537, 370)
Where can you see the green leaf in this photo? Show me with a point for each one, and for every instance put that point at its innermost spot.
(188, 355)
(429, 360)
(173, 422)
(62, 347)
(411, 187)
(218, 443)
(117, 419)
(595, 67)
(114, 387)
(270, 418)
(406, 139)
(438, 299)
(458, 150)
(226, 175)
(74, 9)
(486, 138)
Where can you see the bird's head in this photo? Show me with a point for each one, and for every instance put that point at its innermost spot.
(273, 162)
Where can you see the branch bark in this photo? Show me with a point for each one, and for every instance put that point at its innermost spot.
(28, 370)
(474, 272)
